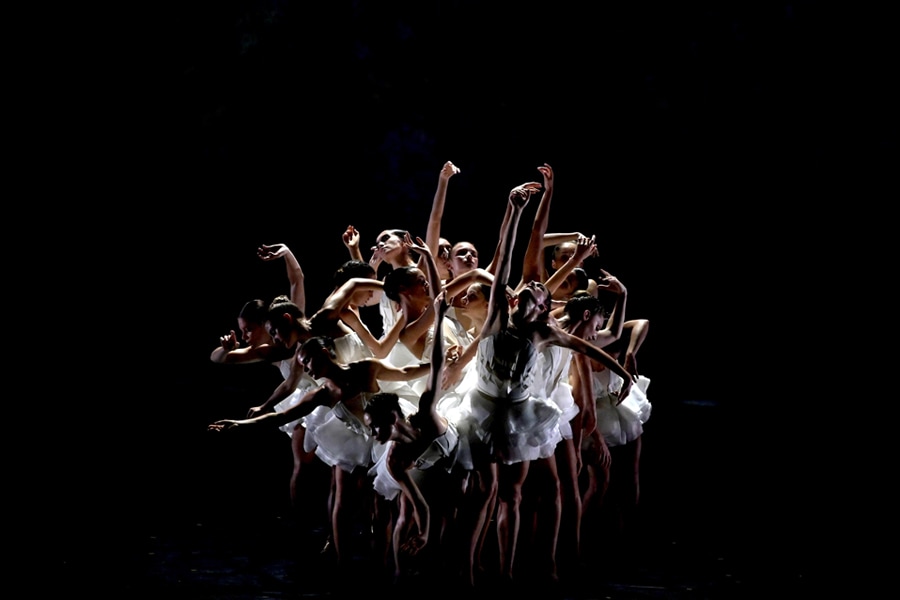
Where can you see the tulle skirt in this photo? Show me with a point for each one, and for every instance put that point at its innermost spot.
(510, 432)
(624, 423)
(440, 453)
(564, 400)
(338, 437)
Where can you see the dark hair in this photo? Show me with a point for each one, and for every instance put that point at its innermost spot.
(581, 278)
(351, 269)
(483, 288)
(321, 341)
(558, 248)
(383, 404)
(254, 311)
(280, 305)
(581, 301)
(397, 279)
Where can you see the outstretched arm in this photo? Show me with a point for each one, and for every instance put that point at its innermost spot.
(311, 399)
(294, 272)
(567, 340)
(385, 371)
(554, 239)
(249, 354)
(282, 391)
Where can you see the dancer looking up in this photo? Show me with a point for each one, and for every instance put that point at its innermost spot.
(506, 426)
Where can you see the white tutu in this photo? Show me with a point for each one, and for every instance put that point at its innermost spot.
(306, 384)
(441, 452)
(338, 437)
(623, 423)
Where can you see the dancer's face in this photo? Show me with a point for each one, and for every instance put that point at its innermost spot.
(474, 299)
(281, 334)
(388, 242)
(463, 258)
(589, 327)
(311, 361)
(254, 334)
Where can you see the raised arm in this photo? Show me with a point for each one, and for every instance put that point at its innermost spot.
(533, 268)
(337, 307)
(495, 260)
(426, 263)
(617, 316)
(339, 299)
(380, 348)
(415, 329)
(498, 304)
(584, 247)
(433, 231)
(459, 285)
(294, 272)
(350, 237)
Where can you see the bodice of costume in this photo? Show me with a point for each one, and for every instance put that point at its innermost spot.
(350, 347)
(553, 367)
(506, 365)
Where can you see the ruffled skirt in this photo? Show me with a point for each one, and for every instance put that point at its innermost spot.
(510, 431)
(624, 423)
(441, 452)
(338, 437)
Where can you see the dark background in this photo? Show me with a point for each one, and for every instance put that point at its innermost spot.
(703, 144)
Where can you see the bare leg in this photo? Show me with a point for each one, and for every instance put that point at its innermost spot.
(401, 529)
(626, 487)
(489, 515)
(570, 519)
(482, 487)
(509, 502)
(341, 513)
(549, 514)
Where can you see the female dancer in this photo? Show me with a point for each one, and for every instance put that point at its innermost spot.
(417, 466)
(332, 415)
(251, 319)
(506, 426)
(612, 491)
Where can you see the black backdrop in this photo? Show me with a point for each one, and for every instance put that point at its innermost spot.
(695, 141)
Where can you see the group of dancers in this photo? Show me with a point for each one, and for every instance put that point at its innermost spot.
(486, 428)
